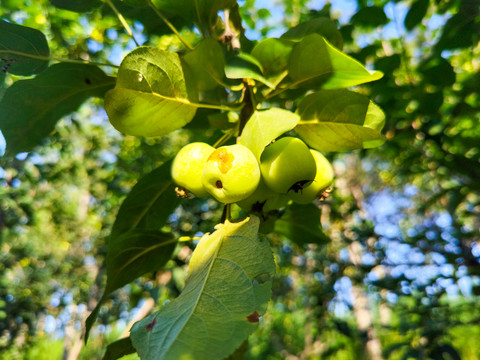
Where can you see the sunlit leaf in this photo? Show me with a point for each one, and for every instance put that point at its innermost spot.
(301, 225)
(340, 120)
(150, 97)
(273, 55)
(265, 126)
(315, 59)
(227, 290)
(16, 40)
(245, 66)
(30, 108)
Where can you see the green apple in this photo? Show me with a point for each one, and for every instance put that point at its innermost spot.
(287, 165)
(187, 167)
(231, 173)
(323, 179)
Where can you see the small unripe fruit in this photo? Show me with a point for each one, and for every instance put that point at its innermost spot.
(187, 167)
(287, 165)
(323, 179)
(231, 173)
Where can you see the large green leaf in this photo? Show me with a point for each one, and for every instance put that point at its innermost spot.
(134, 254)
(227, 289)
(265, 126)
(207, 65)
(76, 5)
(301, 225)
(16, 40)
(321, 25)
(149, 203)
(150, 97)
(314, 58)
(30, 108)
(340, 120)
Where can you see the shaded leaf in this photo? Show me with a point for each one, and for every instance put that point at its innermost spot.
(30, 108)
(370, 16)
(207, 65)
(315, 58)
(301, 224)
(134, 254)
(416, 13)
(322, 26)
(227, 288)
(118, 349)
(340, 120)
(437, 71)
(150, 97)
(76, 5)
(265, 126)
(149, 203)
(22, 39)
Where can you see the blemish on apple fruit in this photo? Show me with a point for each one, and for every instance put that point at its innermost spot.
(223, 159)
(219, 184)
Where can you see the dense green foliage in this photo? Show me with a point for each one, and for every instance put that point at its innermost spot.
(89, 219)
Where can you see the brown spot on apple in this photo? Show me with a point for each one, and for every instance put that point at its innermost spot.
(223, 159)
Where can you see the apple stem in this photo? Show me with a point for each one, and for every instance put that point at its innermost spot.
(226, 215)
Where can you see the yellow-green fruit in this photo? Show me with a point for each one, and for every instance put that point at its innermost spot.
(323, 179)
(287, 165)
(231, 173)
(187, 167)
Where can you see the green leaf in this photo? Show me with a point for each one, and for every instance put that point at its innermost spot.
(30, 108)
(119, 349)
(207, 64)
(416, 13)
(76, 5)
(149, 203)
(245, 66)
(129, 256)
(273, 55)
(340, 120)
(227, 289)
(322, 26)
(370, 17)
(265, 126)
(314, 58)
(301, 224)
(150, 97)
(134, 254)
(16, 40)
(433, 67)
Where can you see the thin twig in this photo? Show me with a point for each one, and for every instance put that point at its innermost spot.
(122, 20)
(169, 24)
(49, 58)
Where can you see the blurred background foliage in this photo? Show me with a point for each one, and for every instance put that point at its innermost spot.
(400, 278)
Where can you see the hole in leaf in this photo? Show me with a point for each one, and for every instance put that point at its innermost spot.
(261, 279)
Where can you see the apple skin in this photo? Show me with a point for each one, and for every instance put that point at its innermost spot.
(231, 173)
(187, 167)
(263, 200)
(323, 179)
(287, 165)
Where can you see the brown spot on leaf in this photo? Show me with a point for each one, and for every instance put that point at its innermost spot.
(151, 325)
(223, 159)
(253, 317)
(88, 81)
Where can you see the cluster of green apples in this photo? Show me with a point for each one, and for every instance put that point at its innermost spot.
(288, 171)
